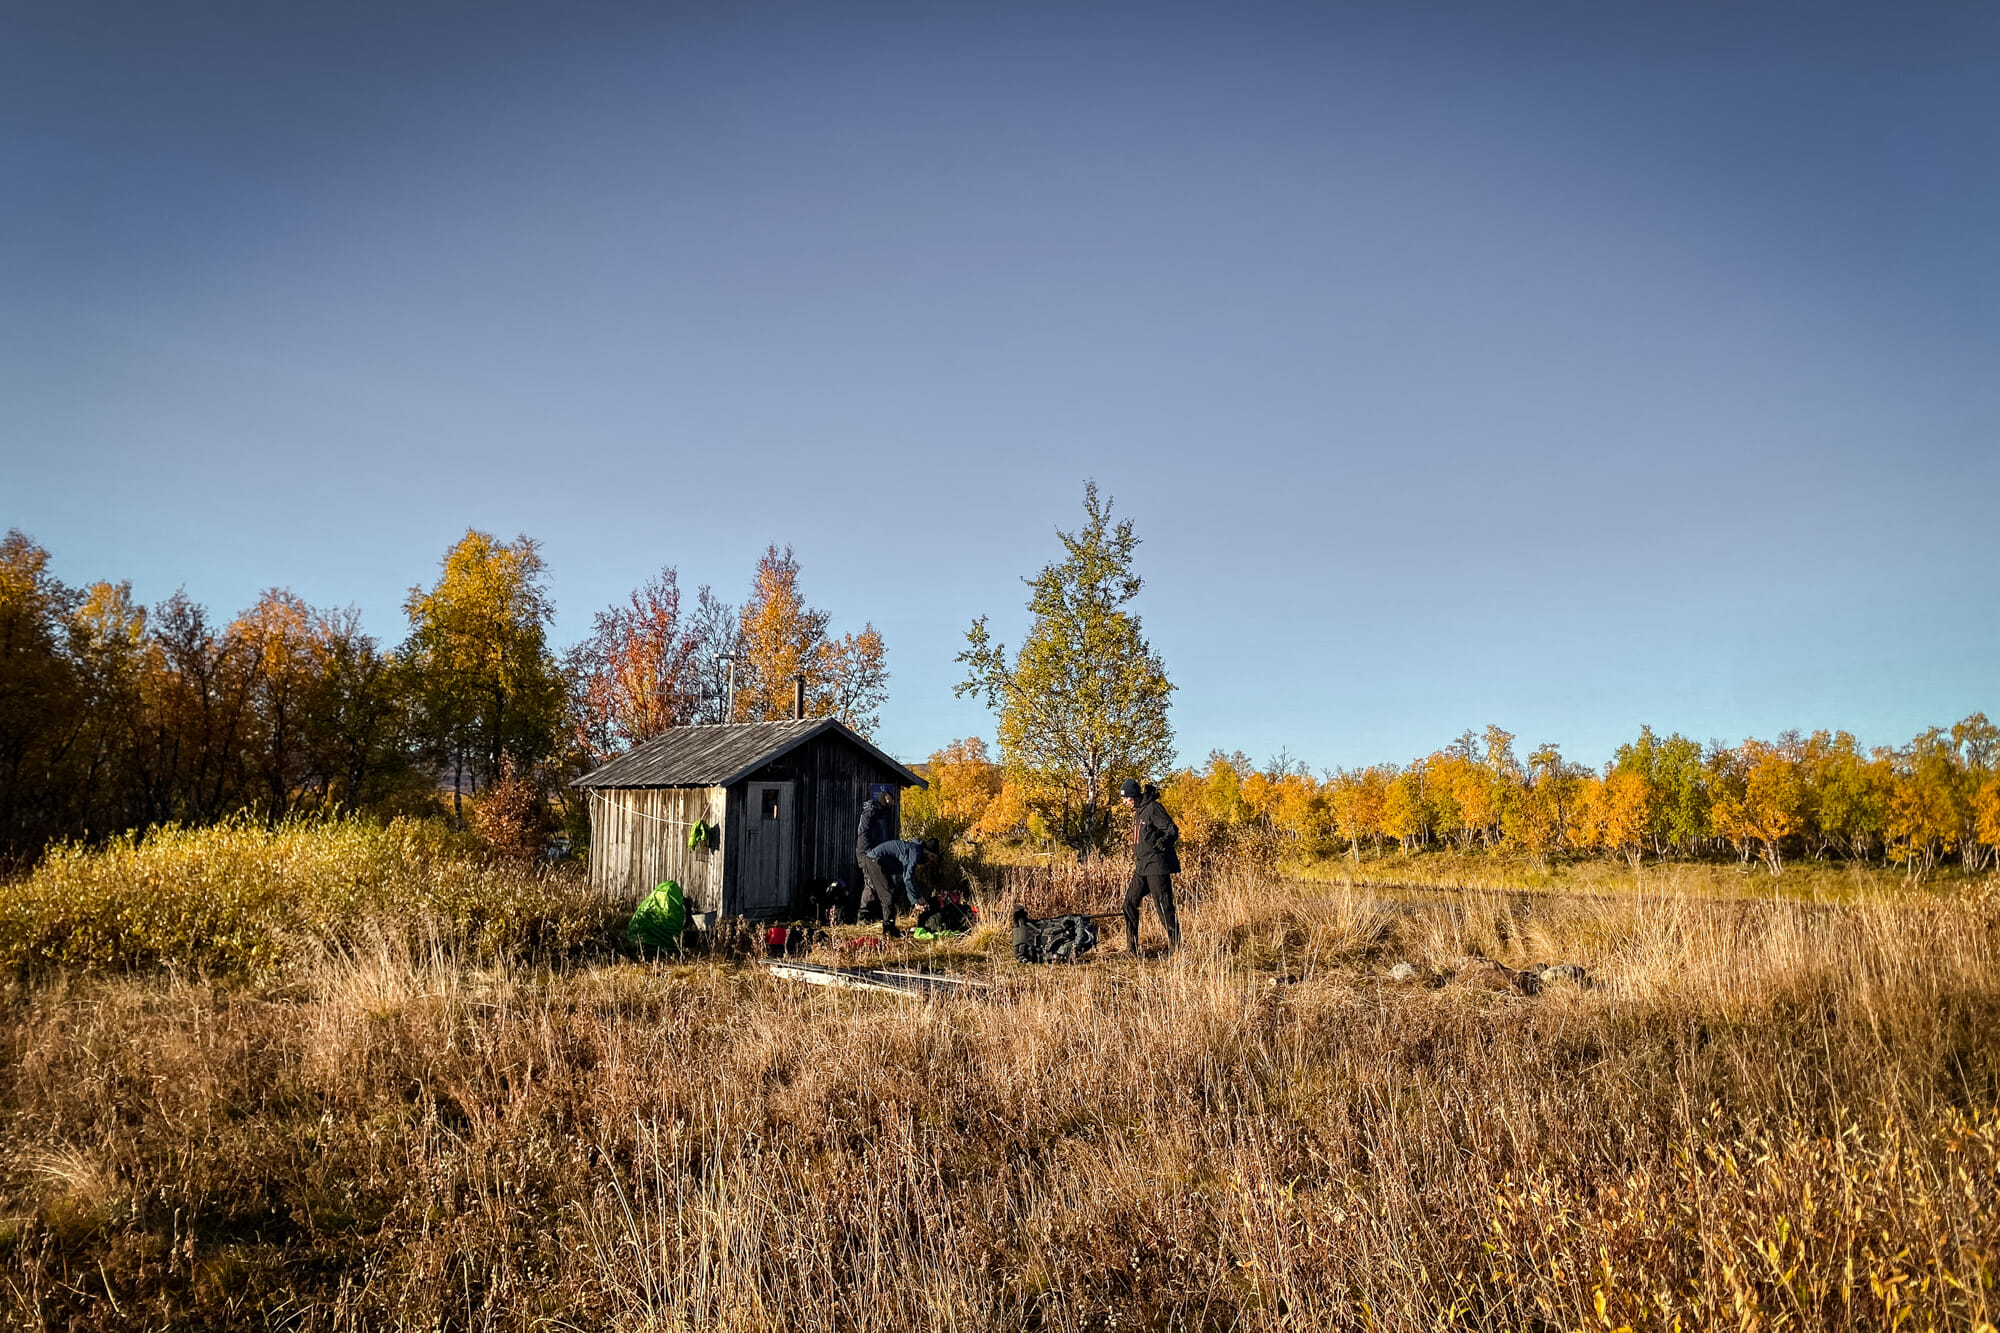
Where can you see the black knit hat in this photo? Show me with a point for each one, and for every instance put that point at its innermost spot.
(1130, 790)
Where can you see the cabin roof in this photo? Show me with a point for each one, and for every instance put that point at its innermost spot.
(716, 756)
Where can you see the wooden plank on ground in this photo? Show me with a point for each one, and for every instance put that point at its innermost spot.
(895, 983)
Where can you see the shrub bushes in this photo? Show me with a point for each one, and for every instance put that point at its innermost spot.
(240, 898)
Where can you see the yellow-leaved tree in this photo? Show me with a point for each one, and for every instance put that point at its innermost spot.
(1539, 817)
(279, 634)
(1929, 807)
(486, 687)
(1986, 814)
(783, 640)
(964, 784)
(1360, 801)
(1406, 813)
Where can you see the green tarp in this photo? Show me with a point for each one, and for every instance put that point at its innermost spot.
(657, 925)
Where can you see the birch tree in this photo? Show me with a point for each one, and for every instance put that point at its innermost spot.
(1083, 703)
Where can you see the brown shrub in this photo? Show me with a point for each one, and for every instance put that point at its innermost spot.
(511, 817)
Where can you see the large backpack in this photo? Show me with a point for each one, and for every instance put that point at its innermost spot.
(946, 916)
(1056, 939)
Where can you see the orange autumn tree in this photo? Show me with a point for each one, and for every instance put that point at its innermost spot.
(1301, 810)
(964, 784)
(1583, 819)
(1977, 743)
(1986, 815)
(280, 636)
(783, 639)
(1765, 805)
(1010, 814)
(638, 672)
(1618, 813)
(1539, 817)
(1185, 795)
(1360, 805)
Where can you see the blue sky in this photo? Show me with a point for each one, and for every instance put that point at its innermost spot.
(1563, 366)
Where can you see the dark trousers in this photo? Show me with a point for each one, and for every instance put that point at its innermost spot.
(876, 884)
(1161, 887)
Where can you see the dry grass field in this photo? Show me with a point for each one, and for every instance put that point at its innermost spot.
(1767, 1114)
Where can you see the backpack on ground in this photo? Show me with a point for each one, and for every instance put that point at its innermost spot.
(947, 916)
(1056, 939)
(659, 922)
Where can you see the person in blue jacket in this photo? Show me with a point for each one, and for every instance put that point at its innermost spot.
(905, 856)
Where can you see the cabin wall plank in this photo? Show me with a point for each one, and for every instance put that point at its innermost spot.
(638, 840)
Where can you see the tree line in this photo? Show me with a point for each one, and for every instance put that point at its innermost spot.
(1820, 795)
(1083, 705)
(116, 716)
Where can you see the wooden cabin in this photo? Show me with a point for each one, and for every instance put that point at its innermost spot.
(743, 815)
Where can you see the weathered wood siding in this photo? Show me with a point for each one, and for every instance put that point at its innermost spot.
(833, 780)
(639, 838)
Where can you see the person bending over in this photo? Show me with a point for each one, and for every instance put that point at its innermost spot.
(905, 857)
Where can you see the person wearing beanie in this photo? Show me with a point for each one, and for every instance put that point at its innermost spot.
(1155, 861)
(877, 826)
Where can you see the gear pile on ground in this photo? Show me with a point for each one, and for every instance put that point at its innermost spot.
(1060, 939)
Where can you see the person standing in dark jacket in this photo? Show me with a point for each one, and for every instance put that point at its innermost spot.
(1155, 861)
(877, 826)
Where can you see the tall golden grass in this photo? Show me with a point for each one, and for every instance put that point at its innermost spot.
(249, 900)
(1500, 871)
(1766, 1115)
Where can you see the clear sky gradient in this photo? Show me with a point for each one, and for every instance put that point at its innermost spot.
(1565, 366)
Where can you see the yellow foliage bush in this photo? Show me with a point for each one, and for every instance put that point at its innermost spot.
(239, 897)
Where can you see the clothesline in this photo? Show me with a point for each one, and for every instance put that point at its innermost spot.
(659, 819)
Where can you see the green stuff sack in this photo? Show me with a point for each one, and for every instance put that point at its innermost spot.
(657, 925)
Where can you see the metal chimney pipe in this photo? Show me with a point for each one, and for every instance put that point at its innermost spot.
(799, 697)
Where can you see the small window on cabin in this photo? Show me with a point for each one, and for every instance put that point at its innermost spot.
(770, 802)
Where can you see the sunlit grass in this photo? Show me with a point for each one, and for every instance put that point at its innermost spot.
(242, 898)
(1808, 880)
(1767, 1114)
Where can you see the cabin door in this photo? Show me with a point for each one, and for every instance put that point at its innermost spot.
(764, 885)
